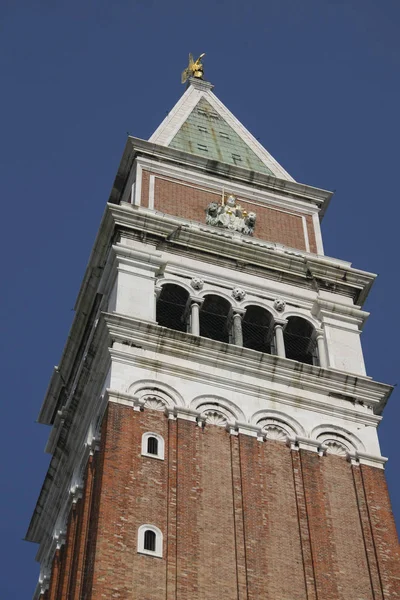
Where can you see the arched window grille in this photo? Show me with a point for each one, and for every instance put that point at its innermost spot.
(257, 328)
(152, 445)
(300, 341)
(149, 540)
(214, 318)
(171, 307)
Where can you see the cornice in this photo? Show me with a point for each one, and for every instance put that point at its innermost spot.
(244, 361)
(137, 147)
(289, 263)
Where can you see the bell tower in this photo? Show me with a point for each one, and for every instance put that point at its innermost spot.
(213, 429)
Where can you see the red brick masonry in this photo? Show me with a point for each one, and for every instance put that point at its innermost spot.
(242, 520)
(184, 200)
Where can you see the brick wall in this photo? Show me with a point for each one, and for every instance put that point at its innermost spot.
(241, 519)
(187, 201)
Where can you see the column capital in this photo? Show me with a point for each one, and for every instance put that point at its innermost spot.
(280, 322)
(236, 310)
(196, 300)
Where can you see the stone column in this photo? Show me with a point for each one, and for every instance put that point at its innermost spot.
(279, 325)
(157, 293)
(236, 323)
(323, 360)
(195, 304)
(237, 329)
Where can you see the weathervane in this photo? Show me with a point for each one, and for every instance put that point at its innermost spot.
(194, 69)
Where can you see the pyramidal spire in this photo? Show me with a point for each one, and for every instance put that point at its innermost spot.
(201, 124)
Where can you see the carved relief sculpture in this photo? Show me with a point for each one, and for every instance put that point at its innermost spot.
(238, 294)
(279, 305)
(230, 215)
(197, 283)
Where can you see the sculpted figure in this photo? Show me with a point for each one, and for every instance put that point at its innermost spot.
(194, 69)
(197, 283)
(279, 304)
(230, 215)
(249, 223)
(212, 213)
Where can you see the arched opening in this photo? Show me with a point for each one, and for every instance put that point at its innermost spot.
(214, 318)
(149, 540)
(300, 342)
(257, 328)
(152, 445)
(171, 306)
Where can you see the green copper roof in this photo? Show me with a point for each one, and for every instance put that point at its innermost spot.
(207, 134)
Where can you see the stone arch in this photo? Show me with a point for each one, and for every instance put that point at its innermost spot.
(171, 306)
(337, 440)
(216, 292)
(265, 305)
(307, 317)
(179, 282)
(258, 328)
(215, 317)
(277, 425)
(300, 340)
(157, 395)
(217, 410)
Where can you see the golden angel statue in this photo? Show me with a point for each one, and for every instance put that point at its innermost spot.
(194, 69)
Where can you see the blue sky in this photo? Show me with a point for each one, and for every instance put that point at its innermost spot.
(316, 81)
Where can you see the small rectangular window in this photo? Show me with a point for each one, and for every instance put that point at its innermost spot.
(202, 147)
(224, 135)
(202, 129)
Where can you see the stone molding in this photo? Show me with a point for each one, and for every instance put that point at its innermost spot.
(306, 377)
(294, 441)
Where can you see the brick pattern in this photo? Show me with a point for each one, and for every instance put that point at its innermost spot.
(273, 548)
(217, 540)
(55, 575)
(347, 541)
(304, 526)
(171, 556)
(383, 530)
(144, 196)
(82, 538)
(238, 515)
(175, 198)
(367, 534)
(241, 520)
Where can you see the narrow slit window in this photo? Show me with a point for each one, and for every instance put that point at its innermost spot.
(152, 445)
(202, 147)
(202, 129)
(150, 540)
(236, 158)
(224, 135)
